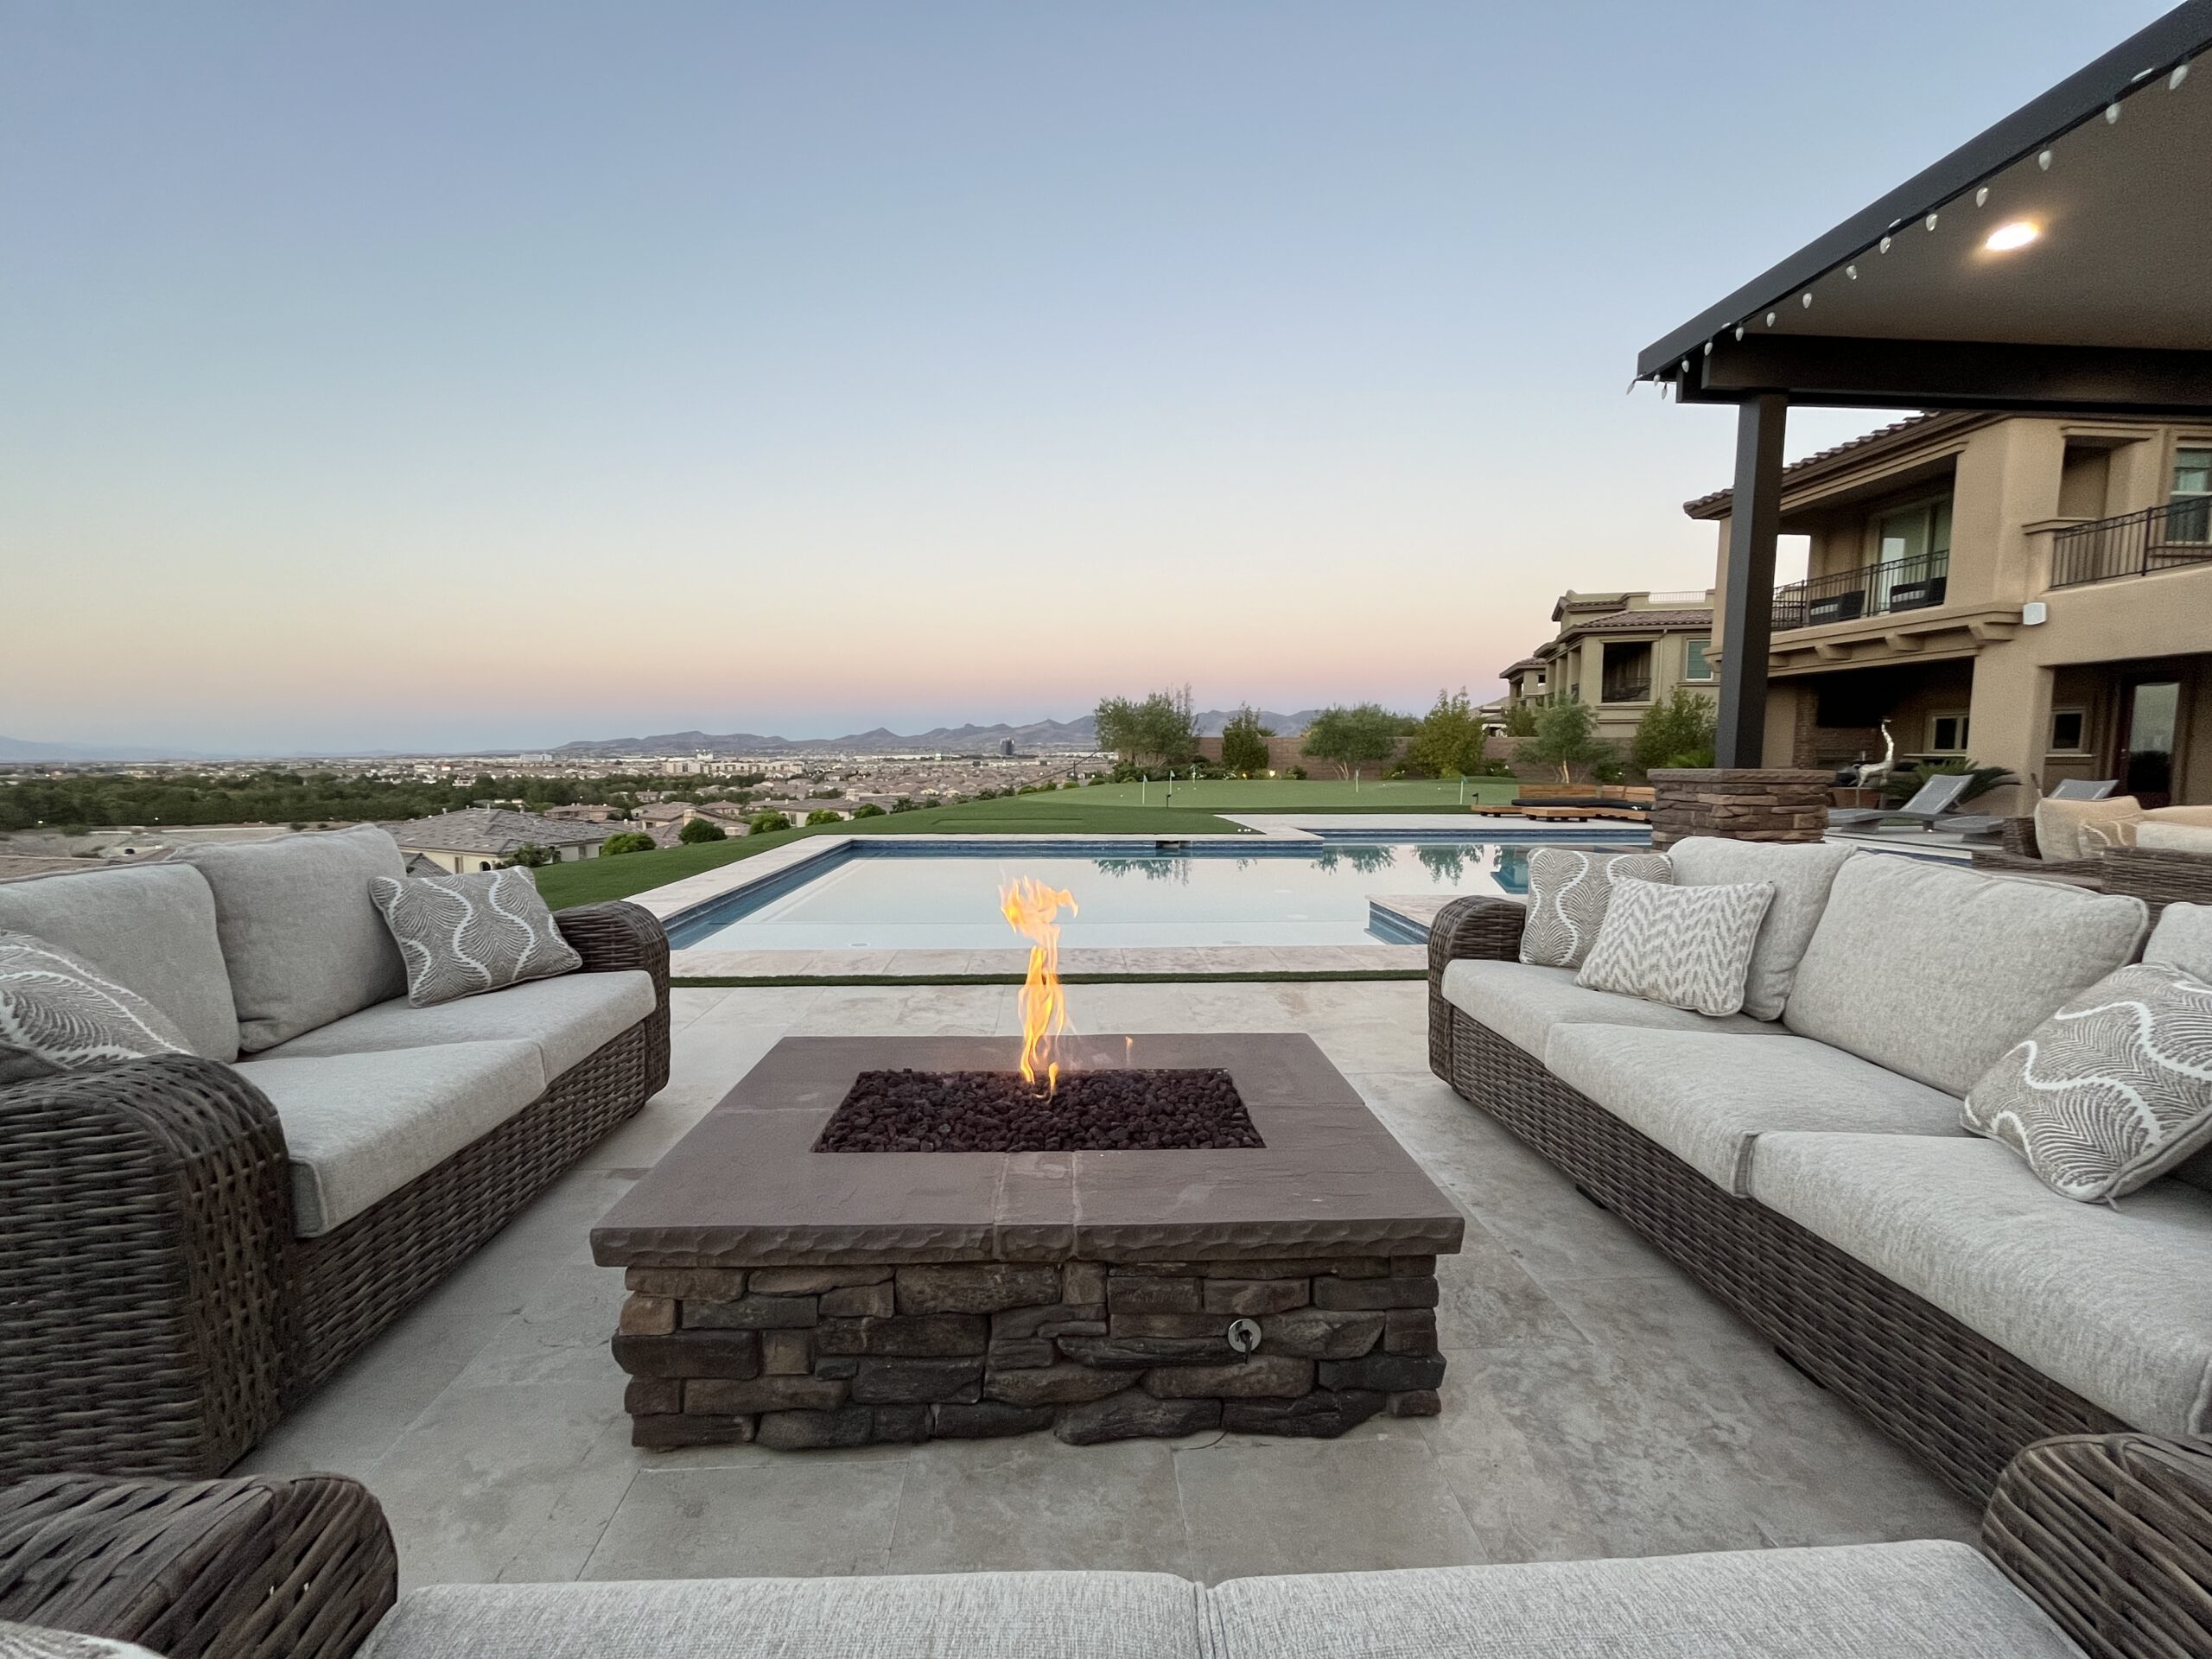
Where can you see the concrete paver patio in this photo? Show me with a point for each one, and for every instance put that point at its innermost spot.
(1596, 1404)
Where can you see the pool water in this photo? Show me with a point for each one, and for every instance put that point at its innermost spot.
(877, 896)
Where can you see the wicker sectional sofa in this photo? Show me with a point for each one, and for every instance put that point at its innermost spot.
(1811, 1173)
(2100, 1547)
(189, 1244)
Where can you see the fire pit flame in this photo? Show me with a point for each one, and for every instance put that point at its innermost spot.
(1033, 909)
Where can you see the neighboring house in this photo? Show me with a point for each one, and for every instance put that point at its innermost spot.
(478, 838)
(586, 813)
(660, 812)
(2030, 592)
(1619, 653)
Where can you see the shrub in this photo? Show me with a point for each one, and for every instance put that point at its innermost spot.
(630, 841)
(530, 856)
(1567, 737)
(868, 810)
(1449, 740)
(906, 804)
(1901, 787)
(699, 829)
(1675, 732)
(823, 814)
(762, 823)
(1244, 741)
(1298, 773)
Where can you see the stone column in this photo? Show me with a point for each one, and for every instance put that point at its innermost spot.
(1743, 803)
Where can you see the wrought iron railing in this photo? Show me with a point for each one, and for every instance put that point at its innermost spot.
(2159, 539)
(1628, 690)
(1913, 584)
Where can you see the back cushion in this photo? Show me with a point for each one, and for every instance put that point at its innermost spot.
(2182, 939)
(2156, 837)
(1934, 971)
(1800, 875)
(151, 928)
(303, 942)
(2059, 823)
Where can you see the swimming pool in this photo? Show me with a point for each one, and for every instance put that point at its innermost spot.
(873, 895)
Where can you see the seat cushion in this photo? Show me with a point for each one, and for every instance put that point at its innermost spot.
(2114, 1303)
(1925, 1600)
(150, 927)
(303, 943)
(1934, 971)
(2182, 939)
(2059, 824)
(1801, 876)
(970, 1615)
(1708, 1097)
(1522, 1004)
(568, 1018)
(359, 1127)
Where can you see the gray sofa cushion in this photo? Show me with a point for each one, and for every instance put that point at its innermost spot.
(940, 1616)
(59, 1013)
(1801, 875)
(149, 926)
(2116, 1304)
(1926, 1600)
(567, 1018)
(359, 1127)
(303, 944)
(2182, 939)
(1708, 1097)
(1935, 971)
(1522, 1004)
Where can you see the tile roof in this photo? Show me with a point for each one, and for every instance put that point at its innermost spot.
(496, 829)
(1880, 435)
(1645, 621)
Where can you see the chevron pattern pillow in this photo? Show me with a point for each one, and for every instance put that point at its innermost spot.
(1688, 947)
(57, 1012)
(1568, 892)
(462, 934)
(2110, 1092)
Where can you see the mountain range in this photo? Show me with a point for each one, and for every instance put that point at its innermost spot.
(1078, 733)
(18, 748)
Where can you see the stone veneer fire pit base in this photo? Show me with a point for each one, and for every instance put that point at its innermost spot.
(803, 1300)
(799, 1358)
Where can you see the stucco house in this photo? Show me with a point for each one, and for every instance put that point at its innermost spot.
(478, 838)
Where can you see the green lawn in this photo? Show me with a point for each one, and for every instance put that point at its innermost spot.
(1104, 810)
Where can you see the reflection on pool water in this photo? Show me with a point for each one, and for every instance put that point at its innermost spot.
(902, 897)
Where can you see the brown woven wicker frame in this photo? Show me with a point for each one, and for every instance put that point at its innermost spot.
(2111, 1535)
(162, 1317)
(1959, 1401)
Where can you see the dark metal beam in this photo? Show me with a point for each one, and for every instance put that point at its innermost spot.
(1851, 372)
(1747, 608)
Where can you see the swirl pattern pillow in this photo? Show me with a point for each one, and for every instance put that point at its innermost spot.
(57, 1012)
(1568, 892)
(1687, 947)
(2110, 1092)
(462, 934)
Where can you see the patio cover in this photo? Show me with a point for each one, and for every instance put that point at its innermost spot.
(2102, 306)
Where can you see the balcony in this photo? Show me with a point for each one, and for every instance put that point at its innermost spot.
(1913, 584)
(2134, 543)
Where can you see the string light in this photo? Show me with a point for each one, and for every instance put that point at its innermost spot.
(1770, 319)
(2180, 74)
(2112, 115)
(1805, 300)
(1981, 196)
(1885, 245)
(1852, 271)
(1931, 221)
(2043, 161)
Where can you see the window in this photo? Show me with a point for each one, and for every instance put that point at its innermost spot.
(1913, 549)
(1947, 733)
(2190, 517)
(2068, 727)
(1695, 666)
(1625, 668)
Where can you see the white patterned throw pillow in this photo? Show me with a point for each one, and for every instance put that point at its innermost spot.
(59, 1013)
(462, 934)
(1568, 892)
(1688, 947)
(2110, 1092)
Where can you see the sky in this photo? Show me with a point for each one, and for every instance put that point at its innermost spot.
(397, 375)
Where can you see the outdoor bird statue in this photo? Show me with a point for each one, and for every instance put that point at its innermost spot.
(1872, 772)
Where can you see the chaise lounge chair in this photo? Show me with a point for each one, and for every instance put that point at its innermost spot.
(1934, 798)
(2083, 789)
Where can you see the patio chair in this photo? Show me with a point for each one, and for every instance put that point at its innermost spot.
(2083, 789)
(1934, 798)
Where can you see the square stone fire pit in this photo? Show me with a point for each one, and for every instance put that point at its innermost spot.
(811, 1299)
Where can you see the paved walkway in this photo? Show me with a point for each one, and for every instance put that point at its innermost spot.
(1596, 1404)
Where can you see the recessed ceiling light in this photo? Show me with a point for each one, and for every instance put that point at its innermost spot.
(2005, 237)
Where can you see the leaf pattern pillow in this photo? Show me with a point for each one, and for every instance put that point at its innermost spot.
(59, 1013)
(1567, 894)
(1687, 947)
(2110, 1092)
(463, 934)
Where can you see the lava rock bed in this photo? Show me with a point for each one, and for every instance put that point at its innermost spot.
(996, 1111)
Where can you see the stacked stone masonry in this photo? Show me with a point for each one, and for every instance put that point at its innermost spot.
(1741, 803)
(804, 1357)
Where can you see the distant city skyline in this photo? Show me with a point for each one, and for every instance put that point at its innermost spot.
(405, 376)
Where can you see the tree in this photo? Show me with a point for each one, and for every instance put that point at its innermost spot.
(630, 841)
(870, 810)
(695, 830)
(1449, 741)
(762, 823)
(1567, 737)
(1520, 719)
(530, 856)
(823, 814)
(1244, 741)
(1355, 737)
(1161, 729)
(1677, 733)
